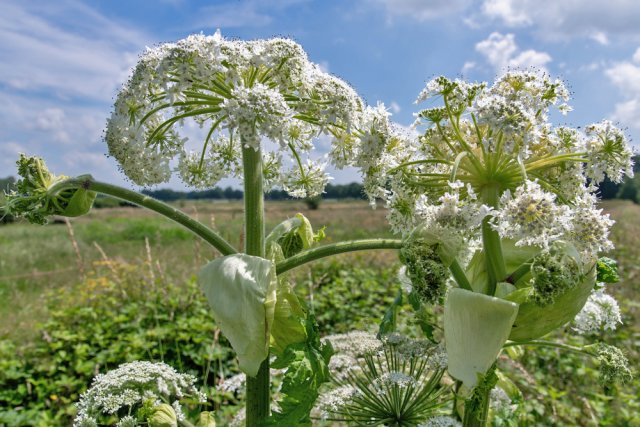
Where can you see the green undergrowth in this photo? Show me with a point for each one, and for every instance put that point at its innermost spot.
(123, 312)
(119, 314)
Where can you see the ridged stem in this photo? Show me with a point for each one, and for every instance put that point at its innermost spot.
(258, 396)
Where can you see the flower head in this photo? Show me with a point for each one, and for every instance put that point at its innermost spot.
(601, 312)
(608, 152)
(531, 216)
(132, 386)
(239, 92)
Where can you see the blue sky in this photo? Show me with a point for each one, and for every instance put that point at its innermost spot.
(62, 62)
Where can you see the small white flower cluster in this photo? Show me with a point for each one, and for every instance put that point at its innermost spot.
(601, 312)
(131, 385)
(393, 379)
(239, 92)
(441, 421)
(343, 365)
(501, 403)
(408, 348)
(355, 344)
(531, 216)
(336, 399)
(232, 384)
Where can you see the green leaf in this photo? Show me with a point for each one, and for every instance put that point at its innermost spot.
(388, 323)
(423, 317)
(294, 235)
(289, 319)
(241, 290)
(80, 203)
(607, 269)
(307, 366)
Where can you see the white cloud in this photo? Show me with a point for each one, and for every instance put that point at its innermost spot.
(600, 37)
(324, 66)
(68, 49)
(53, 121)
(423, 10)
(506, 11)
(626, 77)
(394, 107)
(467, 67)
(9, 151)
(566, 19)
(501, 51)
(66, 63)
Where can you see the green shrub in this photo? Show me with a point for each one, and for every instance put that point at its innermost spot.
(347, 297)
(106, 321)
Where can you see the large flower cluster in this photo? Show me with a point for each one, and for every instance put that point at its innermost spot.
(143, 389)
(239, 92)
(490, 168)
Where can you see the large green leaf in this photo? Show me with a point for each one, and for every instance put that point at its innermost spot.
(241, 290)
(307, 365)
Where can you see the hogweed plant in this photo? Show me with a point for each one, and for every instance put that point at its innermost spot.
(494, 207)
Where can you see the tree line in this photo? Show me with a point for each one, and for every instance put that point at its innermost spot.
(629, 189)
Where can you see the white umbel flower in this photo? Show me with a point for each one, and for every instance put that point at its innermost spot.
(246, 89)
(130, 385)
(601, 312)
(531, 216)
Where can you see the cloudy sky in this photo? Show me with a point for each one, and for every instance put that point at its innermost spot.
(62, 62)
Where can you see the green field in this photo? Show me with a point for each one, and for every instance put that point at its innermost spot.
(127, 255)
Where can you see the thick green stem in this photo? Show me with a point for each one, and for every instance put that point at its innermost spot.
(258, 399)
(492, 246)
(476, 415)
(334, 249)
(150, 203)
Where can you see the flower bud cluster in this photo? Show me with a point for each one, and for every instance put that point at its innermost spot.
(33, 198)
(553, 273)
(239, 92)
(425, 269)
(614, 366)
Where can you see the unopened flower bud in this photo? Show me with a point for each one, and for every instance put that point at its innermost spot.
(206, 420)
(163, 416)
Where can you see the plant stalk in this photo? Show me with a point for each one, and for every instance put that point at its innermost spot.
(494, 259)
(258, 398)
(477, 415)
(201, 230)
(335, 249)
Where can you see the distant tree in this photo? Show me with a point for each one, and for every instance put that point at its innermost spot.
(630, 189)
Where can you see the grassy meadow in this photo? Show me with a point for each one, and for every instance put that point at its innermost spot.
(98, 265)
(37, 259)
